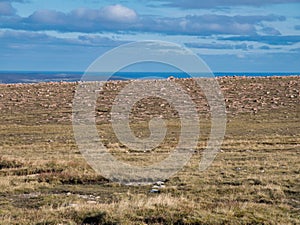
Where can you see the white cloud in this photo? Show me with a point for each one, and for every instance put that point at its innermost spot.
(119, 13)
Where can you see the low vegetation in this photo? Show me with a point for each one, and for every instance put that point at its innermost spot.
(254, 179)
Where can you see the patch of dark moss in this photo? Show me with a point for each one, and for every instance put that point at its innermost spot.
(67, 178)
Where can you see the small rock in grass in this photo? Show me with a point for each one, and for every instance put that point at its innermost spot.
(160, 183)
(154, 191)
(91, 202)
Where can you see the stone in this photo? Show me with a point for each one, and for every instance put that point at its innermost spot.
(154, 191)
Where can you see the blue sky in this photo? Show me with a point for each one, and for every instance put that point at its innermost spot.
(230, 36)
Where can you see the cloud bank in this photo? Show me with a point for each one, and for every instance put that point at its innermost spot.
(194, 4)
(267, 39)
(118, 18)
(6, 9)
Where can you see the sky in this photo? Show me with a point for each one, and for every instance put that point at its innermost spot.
(229, 35)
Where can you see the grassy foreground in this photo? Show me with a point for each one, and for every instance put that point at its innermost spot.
(255, 178)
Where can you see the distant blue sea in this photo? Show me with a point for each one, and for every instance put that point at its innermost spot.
(9, 77)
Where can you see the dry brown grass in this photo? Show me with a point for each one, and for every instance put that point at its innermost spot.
(254, 179)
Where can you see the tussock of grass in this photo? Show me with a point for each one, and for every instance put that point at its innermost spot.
(6, 163)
